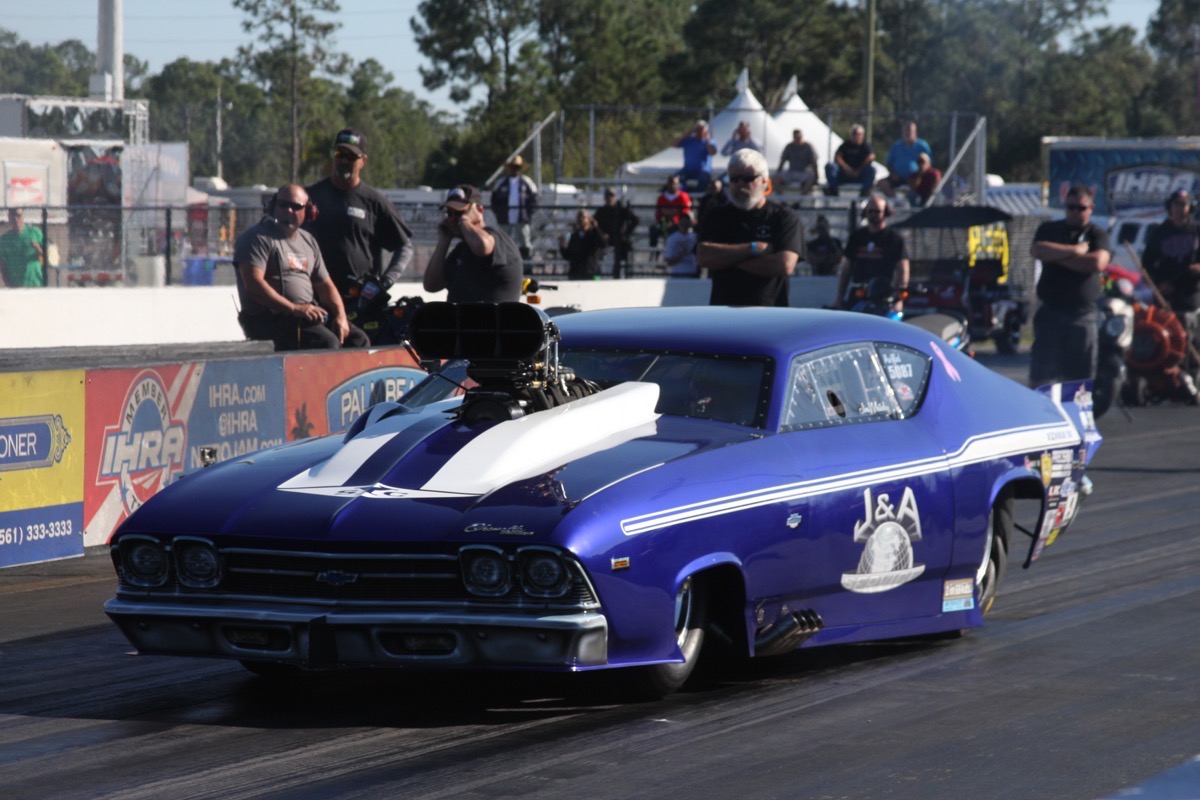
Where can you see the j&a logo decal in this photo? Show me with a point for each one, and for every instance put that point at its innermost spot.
(148, 445)
(887, 532)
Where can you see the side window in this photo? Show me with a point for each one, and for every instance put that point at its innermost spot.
(908, 372)
(838, 386)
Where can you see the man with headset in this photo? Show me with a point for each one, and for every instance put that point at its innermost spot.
(1172, 255)
(875, 251)
(281, 276)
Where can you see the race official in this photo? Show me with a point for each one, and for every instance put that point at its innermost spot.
(356, 223)
(1073, 251)
(875, 251)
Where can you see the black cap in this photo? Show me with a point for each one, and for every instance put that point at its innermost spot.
(462, 196)
(352, 140)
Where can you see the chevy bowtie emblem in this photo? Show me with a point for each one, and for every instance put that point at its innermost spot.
(335, 577)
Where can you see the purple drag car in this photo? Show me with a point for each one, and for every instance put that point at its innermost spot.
(609, 487)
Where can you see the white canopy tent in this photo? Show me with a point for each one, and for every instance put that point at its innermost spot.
(745, 107)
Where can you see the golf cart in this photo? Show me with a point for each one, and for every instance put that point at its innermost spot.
(959, 258)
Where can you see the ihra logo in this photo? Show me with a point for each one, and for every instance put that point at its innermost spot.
(146, 447)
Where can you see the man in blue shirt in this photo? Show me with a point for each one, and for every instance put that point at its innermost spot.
(902, 159)
(698, 151)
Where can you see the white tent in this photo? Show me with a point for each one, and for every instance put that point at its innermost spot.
(744, 108)
(796, 114)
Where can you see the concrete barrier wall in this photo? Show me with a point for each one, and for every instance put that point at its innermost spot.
(92, 316)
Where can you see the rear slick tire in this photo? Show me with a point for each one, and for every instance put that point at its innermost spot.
(991, 570)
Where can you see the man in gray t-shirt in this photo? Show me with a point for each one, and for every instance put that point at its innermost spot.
(285, 291)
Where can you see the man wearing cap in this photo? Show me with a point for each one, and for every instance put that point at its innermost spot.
(356, 223)
(617, 222)
(514, 201)
(285, 291)
(485, 265)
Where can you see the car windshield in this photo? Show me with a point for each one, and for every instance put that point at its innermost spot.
(732, 389)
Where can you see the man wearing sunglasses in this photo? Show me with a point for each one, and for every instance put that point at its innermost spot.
(286, 294)
(356, 224)
(751, 246)
(1073, 251)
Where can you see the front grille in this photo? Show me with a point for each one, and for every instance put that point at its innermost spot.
(412, 578)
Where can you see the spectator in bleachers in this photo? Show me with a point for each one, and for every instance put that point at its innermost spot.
(740, 139)
(902, 159)
(680, 250)
(854, 162)
(583, 248)
(801, 160)
(923, 182)
(672, 203)
(714, 197)
(617, 223)
(698, 151)
(824, 250)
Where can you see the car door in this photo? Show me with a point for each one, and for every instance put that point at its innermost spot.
(878, 532)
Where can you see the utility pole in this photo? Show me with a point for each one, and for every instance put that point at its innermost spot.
(869, 79)
(220, 134)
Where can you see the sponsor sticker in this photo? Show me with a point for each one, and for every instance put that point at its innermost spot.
(958, 595)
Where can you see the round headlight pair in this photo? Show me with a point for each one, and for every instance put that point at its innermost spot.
(488, 572)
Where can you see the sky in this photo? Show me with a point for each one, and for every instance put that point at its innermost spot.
(160, 31)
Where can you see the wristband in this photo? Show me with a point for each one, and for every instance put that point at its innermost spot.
(754, 248)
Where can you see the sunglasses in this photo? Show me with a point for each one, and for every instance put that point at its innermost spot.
(874, 212)
(743, 178)
(289, 205)
(346, 155)
(1077, 207)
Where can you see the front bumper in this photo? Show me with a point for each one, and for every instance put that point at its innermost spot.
(320, 638)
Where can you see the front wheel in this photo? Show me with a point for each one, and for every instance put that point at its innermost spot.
(691, 617)
(995, 557)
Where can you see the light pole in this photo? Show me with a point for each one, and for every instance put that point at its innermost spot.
(869, 78)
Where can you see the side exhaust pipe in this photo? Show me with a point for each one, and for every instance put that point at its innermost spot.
(788, 633)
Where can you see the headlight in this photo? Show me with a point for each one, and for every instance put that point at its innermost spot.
(543, 572)
(485, 571)
(197, 563)
(144, 560)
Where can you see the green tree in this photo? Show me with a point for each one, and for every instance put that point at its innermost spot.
(1174, 38)
(295, 44)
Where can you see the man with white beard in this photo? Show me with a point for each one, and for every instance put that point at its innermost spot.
(751, 246)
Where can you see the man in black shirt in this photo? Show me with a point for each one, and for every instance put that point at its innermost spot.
(617, 223)
(1073, 251)
(356, 223)
(485, 266)
(1172, 255)
(751, 246)
(875, 251)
